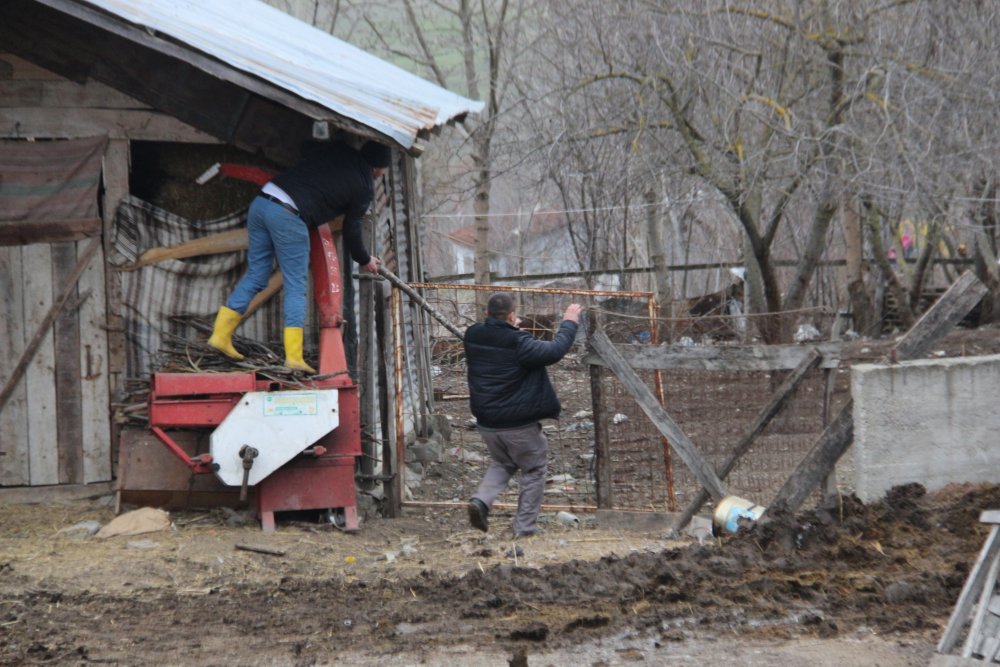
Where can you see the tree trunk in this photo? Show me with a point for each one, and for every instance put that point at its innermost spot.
(654, 241)
(859, 299)
(481, 207)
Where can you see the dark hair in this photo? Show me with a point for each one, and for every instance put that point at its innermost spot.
(500, 305)
(376, 155)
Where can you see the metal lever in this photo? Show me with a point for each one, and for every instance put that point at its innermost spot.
(248, 454)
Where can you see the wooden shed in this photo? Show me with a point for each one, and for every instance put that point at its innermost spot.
(81, 83)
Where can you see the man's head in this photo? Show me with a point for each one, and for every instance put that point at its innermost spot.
(377, 156)
(500, 306)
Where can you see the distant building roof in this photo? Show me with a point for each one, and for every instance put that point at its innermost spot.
(465, 235)
(257, 39)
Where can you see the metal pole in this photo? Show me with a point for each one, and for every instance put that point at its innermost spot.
(668, 463)
(396, 305)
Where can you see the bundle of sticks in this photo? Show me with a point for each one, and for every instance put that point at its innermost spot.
(191, 354)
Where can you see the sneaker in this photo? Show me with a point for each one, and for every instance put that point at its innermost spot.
(479, 515)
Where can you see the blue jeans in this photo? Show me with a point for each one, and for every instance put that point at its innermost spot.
(275, 232)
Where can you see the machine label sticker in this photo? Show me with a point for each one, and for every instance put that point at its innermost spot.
(291, 405)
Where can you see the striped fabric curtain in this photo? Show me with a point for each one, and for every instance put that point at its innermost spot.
(193, 286)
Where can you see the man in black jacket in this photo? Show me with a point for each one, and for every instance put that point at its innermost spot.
(510, 393)
(330, 181)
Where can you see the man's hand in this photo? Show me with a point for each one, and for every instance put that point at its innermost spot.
(573, 312)
(372, 265)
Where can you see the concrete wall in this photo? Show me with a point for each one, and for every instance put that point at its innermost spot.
(929, 421)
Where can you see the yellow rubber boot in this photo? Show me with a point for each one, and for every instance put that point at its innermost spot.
(293, 351)
(222, 335)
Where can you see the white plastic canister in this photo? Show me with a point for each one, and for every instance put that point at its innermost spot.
(731, 509)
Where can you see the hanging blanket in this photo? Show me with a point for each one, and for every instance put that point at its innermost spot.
(50, 180)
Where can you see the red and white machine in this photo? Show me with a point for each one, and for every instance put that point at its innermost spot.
(293, 446)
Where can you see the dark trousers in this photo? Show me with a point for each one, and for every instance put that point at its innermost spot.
(522, 449)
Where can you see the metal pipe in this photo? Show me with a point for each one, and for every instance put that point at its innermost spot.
(448, 504)
(419, 300)
(396, 309)
(668, 463)
(529, 290)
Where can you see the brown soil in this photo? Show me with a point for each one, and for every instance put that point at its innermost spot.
(859, 585)
(852, 581)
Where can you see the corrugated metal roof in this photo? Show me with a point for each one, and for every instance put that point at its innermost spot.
(258, 39)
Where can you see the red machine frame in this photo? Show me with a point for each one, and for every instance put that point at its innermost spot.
(322, 477)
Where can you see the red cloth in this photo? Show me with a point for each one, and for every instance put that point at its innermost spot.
(246, 172)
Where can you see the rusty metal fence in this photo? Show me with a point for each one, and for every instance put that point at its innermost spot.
(448, 469)
(445, 457)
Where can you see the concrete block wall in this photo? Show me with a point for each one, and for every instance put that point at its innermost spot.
(933, 421)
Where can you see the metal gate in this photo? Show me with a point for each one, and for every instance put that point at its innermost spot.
(446, 460)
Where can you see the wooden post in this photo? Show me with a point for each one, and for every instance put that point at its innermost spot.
(602, 446)
(385, 401)
(116, 188)
(663, 422)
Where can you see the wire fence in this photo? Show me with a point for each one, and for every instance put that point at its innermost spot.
(713, 408)
(452, 473)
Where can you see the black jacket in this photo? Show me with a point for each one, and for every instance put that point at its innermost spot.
(331, 181)
(508, 384)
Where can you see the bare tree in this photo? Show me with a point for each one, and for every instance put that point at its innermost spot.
(787, 109)
(464, 46)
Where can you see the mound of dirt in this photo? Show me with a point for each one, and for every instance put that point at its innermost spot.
(892, 568)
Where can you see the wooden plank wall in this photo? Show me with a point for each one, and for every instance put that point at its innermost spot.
(14, 468)
(57, 428)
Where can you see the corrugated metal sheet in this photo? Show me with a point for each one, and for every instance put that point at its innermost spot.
(258, 39)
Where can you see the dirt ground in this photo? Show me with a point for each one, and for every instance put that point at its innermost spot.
(858, 585)
(861, 585)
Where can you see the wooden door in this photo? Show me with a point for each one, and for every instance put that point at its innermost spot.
(55, 428)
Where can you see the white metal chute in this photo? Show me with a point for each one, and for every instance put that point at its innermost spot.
(278, 424)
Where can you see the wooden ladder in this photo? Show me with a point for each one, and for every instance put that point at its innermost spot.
(978, 599)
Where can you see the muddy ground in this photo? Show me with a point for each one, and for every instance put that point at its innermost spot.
(860, 585)
(857, 585)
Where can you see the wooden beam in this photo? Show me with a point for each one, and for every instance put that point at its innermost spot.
(43, 328)
(942, 317)
(973, 585)
(764, 417)
(20, 122)
(69, 391)
(29, 232)
(929, 329)
(64, 94)
(214, 244)
(723, 357)
(663, 422)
